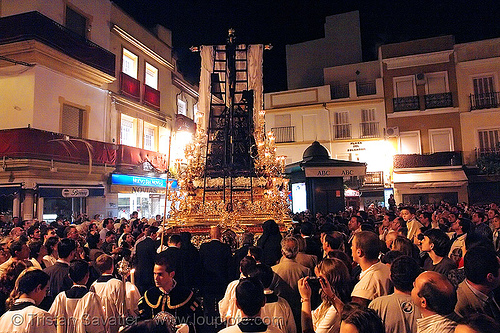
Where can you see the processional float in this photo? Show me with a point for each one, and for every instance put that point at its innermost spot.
(232, 176)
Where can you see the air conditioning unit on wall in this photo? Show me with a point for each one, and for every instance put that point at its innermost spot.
(391, 132)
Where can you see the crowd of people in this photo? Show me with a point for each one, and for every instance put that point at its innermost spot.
(432, 268)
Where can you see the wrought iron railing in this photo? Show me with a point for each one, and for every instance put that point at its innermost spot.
(284, 134)
(484, 101)
(369, 129)
(35, 26)
(434, 101)
(406, 103)
(342, 131)
(366, 88)
(448, 158)
(340, 91)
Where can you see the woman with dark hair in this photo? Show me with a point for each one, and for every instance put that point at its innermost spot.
(334, 281)
(8, 280)
(270, 242)
(358, 319)
(24, 315)
(52, 255)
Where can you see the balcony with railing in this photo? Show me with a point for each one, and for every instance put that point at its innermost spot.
(369, 129)
(434, 101)
(339, 91)
(366, 88)
(35, 26)
(30, 143)
(342, 131)
(448, 158)
(284, 134)
(130, 87)
(484, 101)
(151, 97)
(409, 103)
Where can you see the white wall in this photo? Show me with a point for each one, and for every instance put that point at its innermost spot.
(16, 96)
(50, 86)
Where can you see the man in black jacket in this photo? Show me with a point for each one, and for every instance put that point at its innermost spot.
(216, 260)
(144, 259)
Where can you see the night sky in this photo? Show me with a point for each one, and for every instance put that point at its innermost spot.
(278, 22)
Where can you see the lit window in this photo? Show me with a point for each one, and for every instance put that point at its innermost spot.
(129, 65)
(151, 76)
(127, 131)
(149, 138)
(181, 107)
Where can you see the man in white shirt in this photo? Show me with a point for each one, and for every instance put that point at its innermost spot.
(397, 310)
(78, 309)
(434, 294)
(374, 280)
(111, 291)
(24, 316)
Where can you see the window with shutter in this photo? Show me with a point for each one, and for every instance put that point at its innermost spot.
(72, 121)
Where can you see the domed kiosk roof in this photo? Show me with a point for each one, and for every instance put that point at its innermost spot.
(315, 151)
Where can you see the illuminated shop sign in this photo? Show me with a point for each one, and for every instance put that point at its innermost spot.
(137, 181)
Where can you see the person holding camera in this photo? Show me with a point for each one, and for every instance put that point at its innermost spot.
(333, 279)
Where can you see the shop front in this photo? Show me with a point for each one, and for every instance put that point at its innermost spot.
(67, 202)
(146, 195)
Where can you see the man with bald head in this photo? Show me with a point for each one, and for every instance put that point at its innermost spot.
(216, 259)
(436, 297)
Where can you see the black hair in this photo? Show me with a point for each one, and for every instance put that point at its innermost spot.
(306, 229)
(250, 296)
(35, 248)
(65, 247)
(50, 242)
(390, 256)
(365, 320)
(264, 273)
(404, 271)
(16, 246)
(256, 252)
(410, 209)
(162, 260)
(175, 239)
(465, 224)
(334, 240)
(247, 264)
(78, 269)
(479, 262)
(32, 229)
(30, 280)
(440, 240)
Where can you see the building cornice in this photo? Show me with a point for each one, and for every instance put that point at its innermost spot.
(404, 114)
(135, 42)
(418, 60)
(118, 99)
(32, 51)
(329, 105)
(179, 82)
